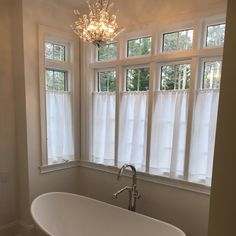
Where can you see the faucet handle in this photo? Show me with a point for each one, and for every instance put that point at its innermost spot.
(136, 194)
(115, 195)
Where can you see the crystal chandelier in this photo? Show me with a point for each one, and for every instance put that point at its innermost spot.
(99, 27)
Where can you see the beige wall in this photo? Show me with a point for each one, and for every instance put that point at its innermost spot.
(51, 14)
(223, 199)
(7, 119)
(187, 210)
(21, 134)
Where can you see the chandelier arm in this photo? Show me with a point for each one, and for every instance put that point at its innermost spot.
(108, 3)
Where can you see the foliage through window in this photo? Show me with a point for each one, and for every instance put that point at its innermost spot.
(175, 77)
(56, 80)
(139, 47)
(107, 52)
(212, 74)
(55, 51)
(137, 79)
(176, 41)
(106, 81)
(215, 35)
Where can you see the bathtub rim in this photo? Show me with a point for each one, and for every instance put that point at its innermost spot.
(97, 201)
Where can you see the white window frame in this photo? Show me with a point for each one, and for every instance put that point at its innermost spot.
(192, 25)
(124, 80)
(95, 59)
(47, 34)
(209, 22)
(95, 83)
(157, 58)
(202, 61)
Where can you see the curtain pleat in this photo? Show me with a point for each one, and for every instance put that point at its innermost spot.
(168, 137)
(103, 128)
(133, 129)
(203, 136)
(60, 144)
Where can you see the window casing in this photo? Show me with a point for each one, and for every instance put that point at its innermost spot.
(56, 97)
(186, 78)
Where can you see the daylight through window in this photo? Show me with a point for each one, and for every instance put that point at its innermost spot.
(155, 101)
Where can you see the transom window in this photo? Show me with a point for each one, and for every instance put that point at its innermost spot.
(177, 41)
(137, 79)
(175, 77)
(215, 35)
(55, 51)
(107, 52)
(106, 81)
(139, 46)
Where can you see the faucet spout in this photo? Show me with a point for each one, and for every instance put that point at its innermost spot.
(133, 192)
(125, 166)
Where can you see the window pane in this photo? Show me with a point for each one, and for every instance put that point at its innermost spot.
(59, 81)
(215, 35)
(48, 50)
(212, 75)
(54, 51)
(107, 81)
(107, 52)
(175, 77)
(59, 52)
(56, 80)
(177, 41)
(49, 79)
(139, 47)
(137, 79)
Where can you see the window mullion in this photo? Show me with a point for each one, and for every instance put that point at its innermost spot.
(192, 97)
(119, 79)
(150, 109)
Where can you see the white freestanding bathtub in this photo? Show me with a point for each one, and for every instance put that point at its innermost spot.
(65, 214)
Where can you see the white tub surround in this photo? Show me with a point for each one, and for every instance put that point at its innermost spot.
(60, 214)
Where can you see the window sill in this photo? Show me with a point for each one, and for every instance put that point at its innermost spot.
(59, 166)
(162, 180)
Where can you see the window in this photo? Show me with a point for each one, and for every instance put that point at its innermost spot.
(106, 81)
(107, 52)
(104, 100)
(56, 80)
(158, 113)
(212, 75)
(55, 52)
(137, 79)
(177, 41)
(56, 86)
(215, 35)
(204, 122)
(139, 47)
(175, 77)
(133, 117)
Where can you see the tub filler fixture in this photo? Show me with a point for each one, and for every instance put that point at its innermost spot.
(133, 192)
(66, 214)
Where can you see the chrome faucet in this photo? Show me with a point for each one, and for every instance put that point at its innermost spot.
(133, 192)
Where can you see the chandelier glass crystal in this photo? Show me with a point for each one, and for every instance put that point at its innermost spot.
(99, 26)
